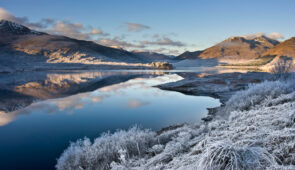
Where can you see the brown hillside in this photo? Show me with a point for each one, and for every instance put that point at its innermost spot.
(286, 48)
(239, 48)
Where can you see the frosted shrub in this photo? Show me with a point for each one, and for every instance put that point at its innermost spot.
(256, 93)
(225, 155)
(283, 67)
(108, 148)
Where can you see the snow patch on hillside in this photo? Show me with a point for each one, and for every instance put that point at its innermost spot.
(256, 131)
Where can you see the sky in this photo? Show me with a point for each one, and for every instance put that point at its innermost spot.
(164, 26)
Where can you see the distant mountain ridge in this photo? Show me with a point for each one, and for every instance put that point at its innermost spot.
(21, 47)
(262, 52)
(59, 48)
(234, 48)
(153, 55)
(189, 55)
(239, 49)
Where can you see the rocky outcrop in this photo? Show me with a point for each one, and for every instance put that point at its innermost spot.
(162, 65)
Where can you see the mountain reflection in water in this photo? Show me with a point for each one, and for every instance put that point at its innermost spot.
(22, 89)
(42, 112)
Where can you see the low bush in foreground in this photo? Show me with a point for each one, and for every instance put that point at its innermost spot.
(119, 146)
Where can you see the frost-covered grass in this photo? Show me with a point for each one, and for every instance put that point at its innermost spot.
(256, 94)
(98, 155)
(255, 130)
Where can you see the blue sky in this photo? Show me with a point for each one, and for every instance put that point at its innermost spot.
(168, 26)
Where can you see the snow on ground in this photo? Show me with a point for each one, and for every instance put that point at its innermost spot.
(255, 130)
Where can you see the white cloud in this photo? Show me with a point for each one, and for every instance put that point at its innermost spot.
(118, 42)
(98, 32)
(136, 27)
(251, 36)
(6, 15)
(74, 30)
(165, 41)
(86, 32)
(136, 103)
(67, 28)
(273, 35)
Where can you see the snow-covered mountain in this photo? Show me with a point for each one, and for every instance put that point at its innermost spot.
(21, 48)
(8, 27)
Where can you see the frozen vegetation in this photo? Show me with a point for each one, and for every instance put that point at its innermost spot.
(254, 130)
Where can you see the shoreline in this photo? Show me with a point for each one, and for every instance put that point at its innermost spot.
(221, 86)
(200, 86)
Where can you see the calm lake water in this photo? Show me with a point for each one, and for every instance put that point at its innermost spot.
(42, 112)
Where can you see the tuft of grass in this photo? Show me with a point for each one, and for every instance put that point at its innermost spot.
(220, 155)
